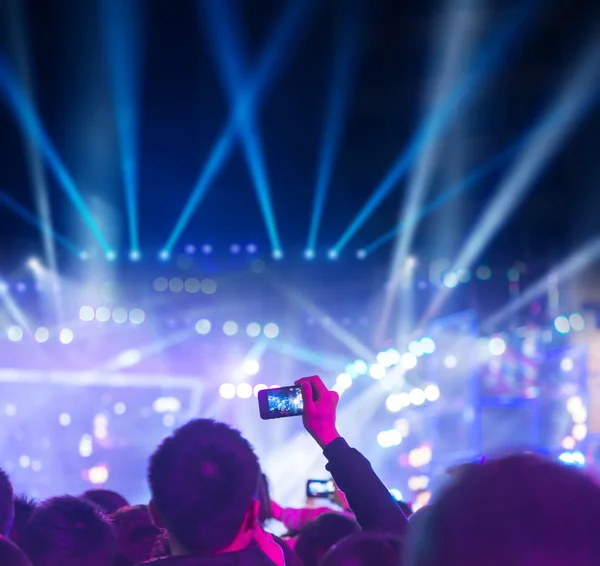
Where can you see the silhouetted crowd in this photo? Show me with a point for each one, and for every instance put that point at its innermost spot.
(210, 506)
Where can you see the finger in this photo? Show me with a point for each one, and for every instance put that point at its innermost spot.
(307, 396)
(317, 384)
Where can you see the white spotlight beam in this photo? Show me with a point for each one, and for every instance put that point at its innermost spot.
(327, 323)
(572, 266)
(458, 31)
(18, 40)
(580, 92)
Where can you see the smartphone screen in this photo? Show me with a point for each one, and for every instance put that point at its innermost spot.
(320, 488)
(280, 402)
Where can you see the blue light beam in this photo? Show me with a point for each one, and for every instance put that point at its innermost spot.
(44, 228)
(29, 121)
(578, 96)
(123, 44)
(271, 59)
(345, 62)
(435, 123)
(228, 52)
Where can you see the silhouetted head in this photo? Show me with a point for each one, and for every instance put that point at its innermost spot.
(519, 510)
(365, 549)
(321, 534)
(24, 508)
(136, 535)
(7, 509)
(204, 484)
(11, 554)
(109, 501)
(69, 531)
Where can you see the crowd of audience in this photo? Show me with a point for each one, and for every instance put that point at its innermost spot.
(210, 507)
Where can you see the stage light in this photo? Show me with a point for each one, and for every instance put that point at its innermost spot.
(164, 255)
(86, 444)
(34, 264)
(333, 254)
(14, 333)
(417, 396)
(42, 334)
(86, 314)
(432, 392)
(497, 346)
(415, 348)
(361, 367)
(418, 483)
(309, 254)
(274, 386)
(568, 443)
(361, 254)
(135, 255)
(230, 328)
(394, 403)
(168, 421)
(36, 466)
(120, 408)
(235, 248)
(577, 322)
(419, 457)
(258, 388)
(203, 326)
(110, 255)
(103, 314)
(10, 410)
(166, 405)
(208, 286)
(562, 325)
(190, 249)
(483, 273)
(207, 249)
(227, 391)
(428, 345)
(271, 330)
(24, 461)
(377, 371)
(251, 248)
(98, 475)
(192, 285)
(66, 336)
(64, 419)
(579, 415)
(277, 254)
(161, 284)
(176, 285)
(566, 364)
(383, 359)
(343, 380)
(83, 255)
(408, 360)
(464, 275)
(251, 367)
(244, 391)
(451, 280)
(389, 438)
(396, 494)
(574, 403)
(450, 362)
(253, 330)
(119, 315)
(137, 316)
(579, 431)
(402, 425)
(393, 356)
(513, 274)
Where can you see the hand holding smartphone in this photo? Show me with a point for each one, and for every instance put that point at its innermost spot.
(320, 489)
(280, 402)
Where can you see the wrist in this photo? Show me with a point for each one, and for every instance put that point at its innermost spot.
(326, 437)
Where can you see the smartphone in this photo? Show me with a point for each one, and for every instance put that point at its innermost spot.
(280, 402)
(324, 489)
